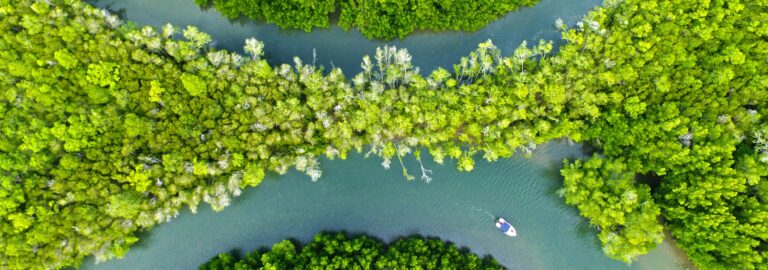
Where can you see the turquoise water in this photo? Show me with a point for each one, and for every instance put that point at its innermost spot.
(335, 47)
(358, 195)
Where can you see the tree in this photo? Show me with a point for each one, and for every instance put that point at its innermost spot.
(108, 130)
(340, 251)
(193, 84)
(392, 19)
(623, 211)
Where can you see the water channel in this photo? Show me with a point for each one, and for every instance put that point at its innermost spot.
(336, 48)
(358, 196)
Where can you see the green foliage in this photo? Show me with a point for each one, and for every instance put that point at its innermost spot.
(396, 19)
(380, 19)
(252, 176)
(139, 179)
(339, 251)
(295, 14)
(103, 74)
(156, 92)
(65, 59)
(20, 221)
(623, 211)
(123, 205)
(223, 261)
(682, 96)
(109, 129)
(194, 85)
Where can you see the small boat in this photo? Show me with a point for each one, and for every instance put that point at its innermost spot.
(505, 227)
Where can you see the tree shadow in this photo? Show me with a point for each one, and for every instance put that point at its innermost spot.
(651, 179)
(119, 12)
(552, 171)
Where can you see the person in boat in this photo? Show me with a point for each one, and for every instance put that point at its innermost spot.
(503, 226)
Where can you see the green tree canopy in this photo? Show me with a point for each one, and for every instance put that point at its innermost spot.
(340, 251)
(380, 19)
(109, 128)
(623, 211)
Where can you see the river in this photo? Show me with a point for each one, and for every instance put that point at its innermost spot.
(358, 196)
(336, 48)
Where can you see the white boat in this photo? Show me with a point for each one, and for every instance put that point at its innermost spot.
(505, 227)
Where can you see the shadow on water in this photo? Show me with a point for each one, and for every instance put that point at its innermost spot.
(590, 150)
(554, 182)
(146, 238)
(551, 171)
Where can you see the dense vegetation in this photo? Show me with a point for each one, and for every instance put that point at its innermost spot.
(292, 14)
(382, 19)
(108, 129)
(685, 91)
(338, 251)
(624, 211)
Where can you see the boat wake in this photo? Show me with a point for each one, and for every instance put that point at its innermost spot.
(483, 211)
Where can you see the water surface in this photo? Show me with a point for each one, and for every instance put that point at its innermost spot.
(338, 48)
(357, 195)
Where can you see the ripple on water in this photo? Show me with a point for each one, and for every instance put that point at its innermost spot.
(338, 48)
(357, 195)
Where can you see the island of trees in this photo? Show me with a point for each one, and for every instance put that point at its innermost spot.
(340, 251)
(380, 19)
(109, 128)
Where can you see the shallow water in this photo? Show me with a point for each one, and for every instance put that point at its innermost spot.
(357, 195)
(335, 47)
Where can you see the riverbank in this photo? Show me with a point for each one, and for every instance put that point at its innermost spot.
(358, 196)
(334, 47)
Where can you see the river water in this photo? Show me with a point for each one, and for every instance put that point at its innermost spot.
(336, 48)
(358, 196)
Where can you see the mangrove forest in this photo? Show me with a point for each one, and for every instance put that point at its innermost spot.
(109, 128)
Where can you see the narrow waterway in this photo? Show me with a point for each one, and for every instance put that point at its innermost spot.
(336, 48)
(358, 195)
